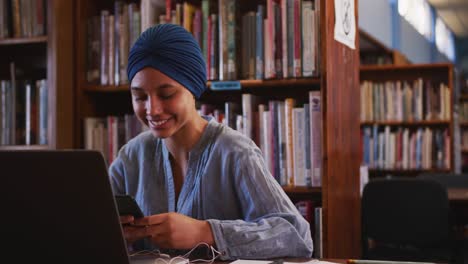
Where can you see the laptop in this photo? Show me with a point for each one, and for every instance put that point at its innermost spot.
(57, 206)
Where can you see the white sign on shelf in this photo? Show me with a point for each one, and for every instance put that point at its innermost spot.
(345, 22)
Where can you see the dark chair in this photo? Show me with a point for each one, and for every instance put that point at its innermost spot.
(407, 220)
(459, 212)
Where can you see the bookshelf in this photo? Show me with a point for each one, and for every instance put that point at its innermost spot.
(42, 56)
(338, 82)
(407, 119)
(374, 52)
(462, 103)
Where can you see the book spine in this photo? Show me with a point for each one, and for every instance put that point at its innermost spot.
(104, 47)
(169, 9)
(223, 46)
(259, 51)
(298, 142)
(273, 129)
(111, 49)
(266, 137)
(288, 107)
(17, 32)
(124, 37)
(117, 41)
(205, 5)
(283, 163)
(307, 59)
(315, 106)
(261, 128)
(4, 112)
(307, 148)
(290, 40)
(278, 49)
(297, 39)
(231, 40)
(43, 111)
(284, 36)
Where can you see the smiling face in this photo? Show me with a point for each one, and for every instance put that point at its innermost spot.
(161, 103)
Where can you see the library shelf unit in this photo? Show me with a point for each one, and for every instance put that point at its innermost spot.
(462, 102)
(407, 123)
(15, 41)
(338, 82)
(49, 57)
(432, 75)
(378, 173)
(374, 52)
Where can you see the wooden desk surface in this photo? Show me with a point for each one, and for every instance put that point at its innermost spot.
(458, 195)
(296, 260)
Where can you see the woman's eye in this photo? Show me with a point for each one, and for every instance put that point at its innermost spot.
(166, 96)
(139, 98)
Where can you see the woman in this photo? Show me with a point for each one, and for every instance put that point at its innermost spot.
(197, 180)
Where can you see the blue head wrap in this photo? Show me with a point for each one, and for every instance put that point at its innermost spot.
(173, 51)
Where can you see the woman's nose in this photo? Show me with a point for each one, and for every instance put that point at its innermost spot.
(153, 106)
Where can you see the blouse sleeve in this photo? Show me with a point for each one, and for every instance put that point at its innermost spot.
(271, 226)
(117, 174)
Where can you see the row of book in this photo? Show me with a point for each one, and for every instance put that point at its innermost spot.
(22, 18)
(405, 101)
(312, 212)
(278, 40)
(23, 112)
(288, 133)
(108, 134)
(464, 139)
(463, 111)
(371, 58)
(405, 149)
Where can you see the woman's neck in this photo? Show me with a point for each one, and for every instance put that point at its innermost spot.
(181, 143)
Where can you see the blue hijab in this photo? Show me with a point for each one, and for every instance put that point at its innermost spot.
(173, 51)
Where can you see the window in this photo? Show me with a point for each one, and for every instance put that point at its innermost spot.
(418, 14)
(444, 39)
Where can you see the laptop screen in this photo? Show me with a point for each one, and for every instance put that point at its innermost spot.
(58, 207)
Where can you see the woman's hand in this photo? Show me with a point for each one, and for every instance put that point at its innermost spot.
(132, 232)
(173, 230)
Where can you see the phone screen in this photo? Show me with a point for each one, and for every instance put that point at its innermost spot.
(128, 206)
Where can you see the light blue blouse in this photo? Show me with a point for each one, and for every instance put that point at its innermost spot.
(227, 184)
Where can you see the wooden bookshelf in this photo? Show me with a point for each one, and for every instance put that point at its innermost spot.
(462, 103)
(30, 40)
(435, 74)
(425, 69)
(24, 147)
(302, 190)
(260, 84)
(374, 52)
(338, 82)
(48, 57)
(407, 123)
(404, 173)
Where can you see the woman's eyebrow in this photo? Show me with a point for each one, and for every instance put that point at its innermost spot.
(136, 88)
(165, 86)
(162, 86)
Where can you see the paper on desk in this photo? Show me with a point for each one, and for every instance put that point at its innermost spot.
(247, 261)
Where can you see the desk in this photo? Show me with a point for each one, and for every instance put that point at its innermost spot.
(296, 260)
(458, 198)
(458, 195)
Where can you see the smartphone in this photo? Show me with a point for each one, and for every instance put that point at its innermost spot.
(128, 206)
